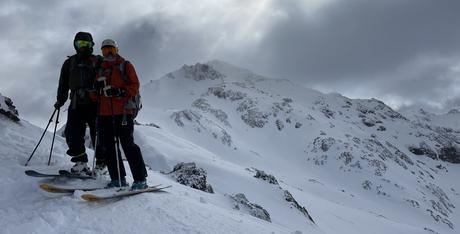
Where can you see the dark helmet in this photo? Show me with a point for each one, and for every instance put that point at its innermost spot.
(83, 36)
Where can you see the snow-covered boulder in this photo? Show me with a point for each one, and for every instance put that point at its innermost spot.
(190, 175)
(241, 203)
(267, 177)
(8, 109)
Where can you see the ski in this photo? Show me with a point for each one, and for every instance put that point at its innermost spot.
(51, 188)
(119, 194)
(72, 175)
(62, 173)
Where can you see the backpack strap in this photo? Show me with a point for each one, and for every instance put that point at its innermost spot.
(73, 62)
(122, 68)
(97, 61)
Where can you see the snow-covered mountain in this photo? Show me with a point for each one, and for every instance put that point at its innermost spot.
(451, 119)
(339, 157)
(280, 158)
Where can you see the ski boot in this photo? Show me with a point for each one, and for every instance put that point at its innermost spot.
(139, 184)
(100, 169)
(80, 168)
(116, 183)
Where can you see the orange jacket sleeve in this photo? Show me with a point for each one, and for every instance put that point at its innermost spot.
(132, 88)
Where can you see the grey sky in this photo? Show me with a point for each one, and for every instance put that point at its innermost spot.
(399, 51)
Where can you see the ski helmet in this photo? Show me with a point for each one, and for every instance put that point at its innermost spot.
(83, 36)
(109, 42)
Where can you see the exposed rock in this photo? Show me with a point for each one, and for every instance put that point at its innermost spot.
(379, 166)
(203, 105)
(368, 122)
(231, 95)
(413, 203)
(8, 109)
(189, 115)
(347, 157)
(323, 143)
(241, 203)
(201, 72)
(289, 198)
(367, 185)
(267, 177)
(251, 115)
(449, 154)
(373, 106)
(279, 124)
(188, 174)
(381, 128)
(324, 108)
(327, 112)
(152, 125)
(423, 149)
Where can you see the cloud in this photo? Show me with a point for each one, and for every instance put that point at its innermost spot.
(383, 48)
(358, 38)
(401, 51)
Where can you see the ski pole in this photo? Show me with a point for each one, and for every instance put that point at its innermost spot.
(117, 147)
(41, 138)
(54, 136)
(96, 137)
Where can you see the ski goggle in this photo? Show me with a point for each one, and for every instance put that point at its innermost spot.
(106, 50)
(80, 44)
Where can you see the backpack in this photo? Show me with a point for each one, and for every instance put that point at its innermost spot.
(77, 84)
(96, 61)
(135, 102)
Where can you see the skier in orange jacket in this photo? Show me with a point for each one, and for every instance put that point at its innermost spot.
(117, 84)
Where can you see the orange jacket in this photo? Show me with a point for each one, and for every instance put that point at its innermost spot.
(110, 68)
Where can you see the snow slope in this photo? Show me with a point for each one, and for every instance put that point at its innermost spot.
(26, 209)
(356, 166)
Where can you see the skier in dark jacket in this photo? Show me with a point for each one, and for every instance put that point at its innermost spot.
(77, 75)
(117, 84)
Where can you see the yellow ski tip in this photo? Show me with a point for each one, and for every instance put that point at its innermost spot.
(90, 197)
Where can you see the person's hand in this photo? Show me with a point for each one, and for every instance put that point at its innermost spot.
(58, 104)
(114, 92)
(100, 83)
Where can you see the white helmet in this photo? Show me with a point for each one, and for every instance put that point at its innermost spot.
(109, 42)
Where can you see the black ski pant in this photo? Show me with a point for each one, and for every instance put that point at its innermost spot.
(80, 116)
(109, 128)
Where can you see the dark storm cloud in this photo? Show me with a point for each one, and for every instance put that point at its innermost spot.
(156, 47)
(394, 50)
(359, 38)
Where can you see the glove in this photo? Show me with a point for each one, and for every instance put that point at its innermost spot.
(100, 83)
(110, 91)
(58, 104)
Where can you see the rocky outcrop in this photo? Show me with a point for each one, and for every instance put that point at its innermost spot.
(289, 198)
(192, 176)
(200, 124)
(203, 105)
(241, 203)
(201, 72)
(450, 154)
(221, 92)
(267, 177)
(8, 109)
(423, 149)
